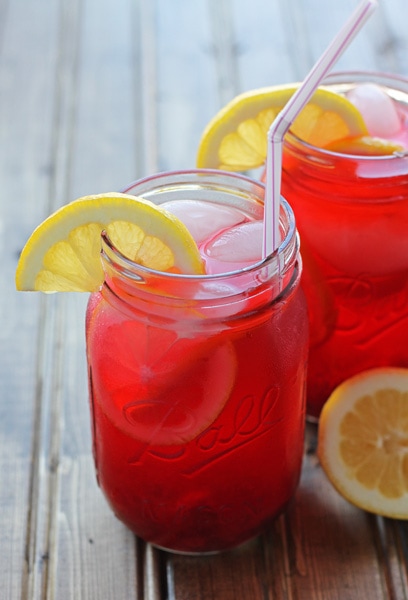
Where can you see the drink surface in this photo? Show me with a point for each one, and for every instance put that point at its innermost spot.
(228, 238)
(352, 215)
(198, 410)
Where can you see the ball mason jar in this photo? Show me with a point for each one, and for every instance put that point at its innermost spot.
(352, 216)
(197, 383)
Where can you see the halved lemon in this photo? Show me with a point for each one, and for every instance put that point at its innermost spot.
(62, 254)
(236, 138)
(363, 441)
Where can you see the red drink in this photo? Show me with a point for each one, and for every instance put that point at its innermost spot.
(196, 384)
(352, 215)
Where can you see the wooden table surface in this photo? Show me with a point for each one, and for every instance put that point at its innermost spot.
(95, 94)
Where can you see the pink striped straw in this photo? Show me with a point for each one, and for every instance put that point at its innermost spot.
(287, 115)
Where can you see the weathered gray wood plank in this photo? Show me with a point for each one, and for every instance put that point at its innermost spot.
(186, 95)
(86, 553)
(263, 34)
(24, 133)
(331, 541)
(104, 152)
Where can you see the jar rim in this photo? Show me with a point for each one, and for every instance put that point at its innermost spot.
(280, 256)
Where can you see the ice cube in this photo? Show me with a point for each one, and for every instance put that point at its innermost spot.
(203, 219)
(379, 111)
(240, 244)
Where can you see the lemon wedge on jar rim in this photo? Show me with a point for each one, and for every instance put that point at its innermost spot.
(62, 254)
(236, 137)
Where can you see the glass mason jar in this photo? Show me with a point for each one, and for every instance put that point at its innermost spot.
(197, 383)
(352, 216)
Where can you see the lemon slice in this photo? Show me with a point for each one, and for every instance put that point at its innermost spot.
(363, 441)
(365, 145)
(157, 386)
(62, 254)
(236, 138)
